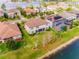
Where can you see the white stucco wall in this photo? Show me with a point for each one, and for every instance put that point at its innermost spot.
(2, 41)
(33, 30)
(17, 36)
(71, 17)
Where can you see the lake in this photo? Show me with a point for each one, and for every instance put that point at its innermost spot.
(70, 52)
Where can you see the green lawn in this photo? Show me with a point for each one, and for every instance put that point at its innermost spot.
(27, 51)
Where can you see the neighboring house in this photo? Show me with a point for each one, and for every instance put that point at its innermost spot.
(1, 13)
(29, 11)
(52, 7)
(13, 13)
(57, 21)
(75, 12)
(43, 9)
(63, 5)
(68, 16)
(37, 25)
(56, 6)
(9, 30)
(36, 9)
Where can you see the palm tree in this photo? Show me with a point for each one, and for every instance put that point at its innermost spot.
(44, 41)
(3, 7)
(57, 34)
(36, 42)
(44, 5)
(30, 6)
(49, 38)
(71, 25)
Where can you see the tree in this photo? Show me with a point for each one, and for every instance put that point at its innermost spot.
(22, 11)
(44, 5)
(59, 10)
(36, 42)
(19, 8)
(30, 6)
(49, 12)
(64, 28)
(5, 15)
(3, 7)
(69, 9)
(11, 44)
(51, 3)
(57, 34)
(40, 6)
(49, 38)
(76, 23)
(44, 42)
(41, 13)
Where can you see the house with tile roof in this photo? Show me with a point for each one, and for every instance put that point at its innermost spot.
(9, 30)
(75, 12)
(52, 7)
(62, 19)
(37, 25)
(29, 10)
(56, 20)
(13, 13)
(68, 17)
(63, 5)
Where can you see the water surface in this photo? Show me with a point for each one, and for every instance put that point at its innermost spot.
(70, 52)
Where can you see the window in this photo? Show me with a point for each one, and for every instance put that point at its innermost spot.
(32, 32)
(40, 30)
(37, 27)
(31, 27)
(49, 19)
(58, 23)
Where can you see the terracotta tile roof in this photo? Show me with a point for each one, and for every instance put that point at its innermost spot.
(8, 30)
(29, 10)
(11, 10)
(35, 22)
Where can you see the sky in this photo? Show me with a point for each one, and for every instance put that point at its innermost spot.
(4, 0)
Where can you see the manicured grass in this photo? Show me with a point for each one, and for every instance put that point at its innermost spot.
(27, 51)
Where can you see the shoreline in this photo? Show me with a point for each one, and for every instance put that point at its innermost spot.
(59, 48)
